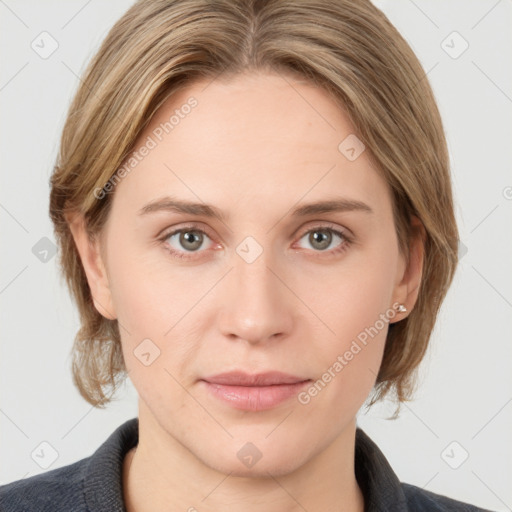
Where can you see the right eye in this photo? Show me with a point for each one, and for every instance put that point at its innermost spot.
(184, 240)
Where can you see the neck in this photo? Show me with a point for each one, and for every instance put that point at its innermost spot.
(161, 474)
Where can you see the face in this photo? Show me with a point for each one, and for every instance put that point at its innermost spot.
(251, 280)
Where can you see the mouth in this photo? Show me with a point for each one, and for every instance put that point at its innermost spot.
(254, 392)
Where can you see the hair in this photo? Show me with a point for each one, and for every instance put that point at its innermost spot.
(349, 48)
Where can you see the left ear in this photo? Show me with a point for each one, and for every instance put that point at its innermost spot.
(408, 286)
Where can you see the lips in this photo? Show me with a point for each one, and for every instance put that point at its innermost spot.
(239, 378)
(256, 392)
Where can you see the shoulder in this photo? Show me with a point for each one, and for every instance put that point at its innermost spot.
(421, 500)
(92, 483)
(57, 490)
(384, 491)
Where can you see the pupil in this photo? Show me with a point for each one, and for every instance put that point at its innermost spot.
(190, 238)
(323, 239)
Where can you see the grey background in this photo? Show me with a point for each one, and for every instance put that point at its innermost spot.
(466, 390)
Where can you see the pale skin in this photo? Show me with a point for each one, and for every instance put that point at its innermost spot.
(255, 147)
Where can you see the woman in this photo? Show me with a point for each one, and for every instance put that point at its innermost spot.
(253, 205)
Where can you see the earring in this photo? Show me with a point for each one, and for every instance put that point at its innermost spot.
(401, 308)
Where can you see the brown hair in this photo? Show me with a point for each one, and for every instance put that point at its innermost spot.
(347, 47)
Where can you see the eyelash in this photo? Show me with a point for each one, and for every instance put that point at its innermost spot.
(345, 244)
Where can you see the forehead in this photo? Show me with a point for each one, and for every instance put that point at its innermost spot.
(249, 140)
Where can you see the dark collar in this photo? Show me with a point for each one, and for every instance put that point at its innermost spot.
(103, 484)
(103, 475)
(381, 488)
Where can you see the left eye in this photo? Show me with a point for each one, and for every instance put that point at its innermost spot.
(321, 238)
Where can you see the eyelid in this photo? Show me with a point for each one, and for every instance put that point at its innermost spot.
(329, 226)
(191, 226)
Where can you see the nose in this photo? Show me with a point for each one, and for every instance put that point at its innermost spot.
(256, 306)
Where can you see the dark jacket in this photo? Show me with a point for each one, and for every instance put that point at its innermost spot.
(95, 483)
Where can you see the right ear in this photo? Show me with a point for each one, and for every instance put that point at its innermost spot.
(93, 265)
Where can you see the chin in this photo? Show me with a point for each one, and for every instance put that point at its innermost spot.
(238, 462)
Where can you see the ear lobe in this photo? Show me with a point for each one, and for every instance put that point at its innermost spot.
(94, 267)
(407, 290)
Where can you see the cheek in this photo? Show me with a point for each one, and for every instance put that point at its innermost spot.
(356, 307)
(149, 293)
(155, 304)
(353, 296)
(349, 361)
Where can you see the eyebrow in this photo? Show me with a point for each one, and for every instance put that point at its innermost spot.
(170, 204)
